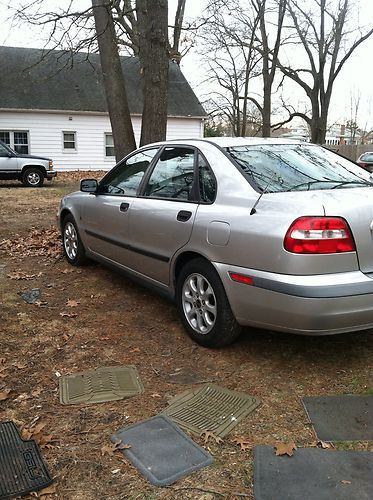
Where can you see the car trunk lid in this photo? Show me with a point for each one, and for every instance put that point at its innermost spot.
(355, 205)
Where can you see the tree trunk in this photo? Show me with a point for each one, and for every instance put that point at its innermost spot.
(152, 16)
(116, 97)
(266, 110)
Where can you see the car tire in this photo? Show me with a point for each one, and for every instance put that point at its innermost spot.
(203, 305)
(33, 177)
(72, 244)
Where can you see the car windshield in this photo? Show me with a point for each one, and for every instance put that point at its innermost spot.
(367, 157)
(297, 167)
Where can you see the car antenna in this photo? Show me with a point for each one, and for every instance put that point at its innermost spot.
(253, 210)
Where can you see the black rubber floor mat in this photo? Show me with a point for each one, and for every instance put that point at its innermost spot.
(341, 418)
(313, 474)
(110, 383)
(161, 451)
(22, 469)
(210, 408)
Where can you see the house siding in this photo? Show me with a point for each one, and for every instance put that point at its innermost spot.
(45, 135)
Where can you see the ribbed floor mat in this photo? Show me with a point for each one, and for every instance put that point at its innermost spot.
(341, 418)
(210, 408)
(161, 451)
(110, 383)
(22, 469)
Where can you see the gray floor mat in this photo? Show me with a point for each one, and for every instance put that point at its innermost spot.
(313, 474)
(22, 469)
(210, 408)
(161, 451)
(341, 418)
(109, 383)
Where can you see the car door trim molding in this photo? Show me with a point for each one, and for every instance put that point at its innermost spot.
(131, 248)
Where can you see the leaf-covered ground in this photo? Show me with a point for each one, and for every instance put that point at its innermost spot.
(91, 317)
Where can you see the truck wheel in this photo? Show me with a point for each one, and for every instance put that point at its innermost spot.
(32, 177)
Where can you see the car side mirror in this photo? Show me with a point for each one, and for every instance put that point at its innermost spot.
(10, 154)
(88, 185)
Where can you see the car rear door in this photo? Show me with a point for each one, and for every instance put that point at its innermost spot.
(162, 217)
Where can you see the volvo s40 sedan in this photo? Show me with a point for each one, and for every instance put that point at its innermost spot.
(265, 233)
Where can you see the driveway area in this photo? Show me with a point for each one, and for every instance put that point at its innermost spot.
(91, 317)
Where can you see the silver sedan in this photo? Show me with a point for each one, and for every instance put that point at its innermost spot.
(265, 233)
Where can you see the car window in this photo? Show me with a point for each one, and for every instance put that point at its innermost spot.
(207, 182)
(297, 167)
(3, 151)
(173, 175)
(367, 157)
(126, 178)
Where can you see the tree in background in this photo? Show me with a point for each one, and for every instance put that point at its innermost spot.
(138, 26)
(115, 90)
(239, 48)
(324, 32)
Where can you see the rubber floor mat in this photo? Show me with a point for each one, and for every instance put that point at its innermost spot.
(210, 408)
(22, 469)
(110, 383)
(341, 418)
(313, 474)
(161, 451)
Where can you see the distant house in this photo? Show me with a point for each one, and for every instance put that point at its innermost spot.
(54, 104)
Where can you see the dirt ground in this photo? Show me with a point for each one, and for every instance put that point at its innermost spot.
(92, 317)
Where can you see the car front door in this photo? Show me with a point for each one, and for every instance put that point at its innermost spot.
(8, 163)
(105, 214)
(162, 216)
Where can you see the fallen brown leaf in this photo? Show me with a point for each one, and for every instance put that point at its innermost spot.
(6, 394)
(72, 303)
(285, 449)
(210, 435)
(110, 449)
(68, 315)
(48, 491)
(243, 443)
(19, 365)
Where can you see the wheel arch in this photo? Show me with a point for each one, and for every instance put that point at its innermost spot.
(183, 259)
(39, 167)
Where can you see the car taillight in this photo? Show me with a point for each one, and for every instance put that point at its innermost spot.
(317, 235)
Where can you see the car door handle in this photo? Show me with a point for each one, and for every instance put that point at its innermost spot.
(184, 215)
(124, 207)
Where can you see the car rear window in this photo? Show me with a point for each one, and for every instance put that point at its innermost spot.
(296, 167)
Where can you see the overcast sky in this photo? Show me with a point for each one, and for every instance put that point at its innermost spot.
(356, 77)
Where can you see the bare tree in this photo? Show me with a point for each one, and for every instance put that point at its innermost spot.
(269, 54)
(116, 97)
(140, 27)
(229, 53)
(328, 41)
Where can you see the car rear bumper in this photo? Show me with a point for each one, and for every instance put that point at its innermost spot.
(309, 305)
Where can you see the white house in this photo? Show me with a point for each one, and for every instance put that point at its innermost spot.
(53, 104)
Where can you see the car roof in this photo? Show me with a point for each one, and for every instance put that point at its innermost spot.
(226, 142)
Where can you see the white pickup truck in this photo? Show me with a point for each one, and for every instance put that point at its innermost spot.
(30, 170)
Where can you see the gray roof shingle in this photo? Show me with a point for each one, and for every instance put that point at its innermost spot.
(53, 80)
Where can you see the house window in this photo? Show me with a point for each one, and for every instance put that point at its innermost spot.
(21, 142)
(17, 140)
(69, 141)
(109, 145)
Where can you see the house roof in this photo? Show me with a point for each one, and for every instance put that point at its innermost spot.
(57, 80)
